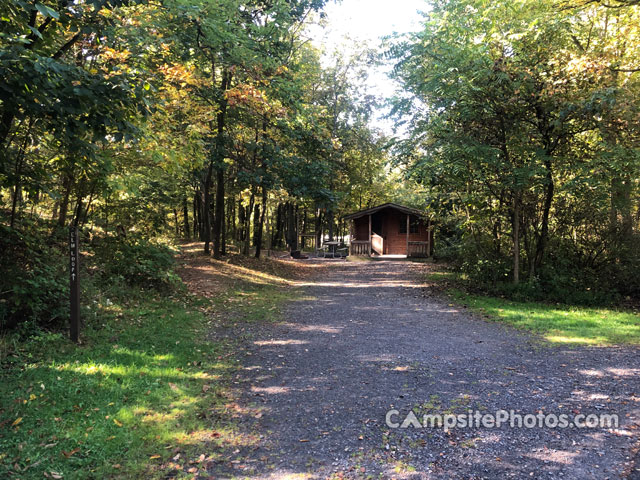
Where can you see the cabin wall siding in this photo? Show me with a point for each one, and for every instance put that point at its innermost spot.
(362, 228)
(396, 242)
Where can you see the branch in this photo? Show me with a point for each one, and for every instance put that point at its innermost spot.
(618, 4)
(200, 33)
(625, 70)
(43, 26)
(66, 46)
(577, 43)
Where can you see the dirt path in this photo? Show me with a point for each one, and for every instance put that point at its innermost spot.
(367, 338)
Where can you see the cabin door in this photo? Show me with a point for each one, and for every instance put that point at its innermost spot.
(377, 237)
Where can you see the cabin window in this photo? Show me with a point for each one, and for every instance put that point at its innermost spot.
(414, 225)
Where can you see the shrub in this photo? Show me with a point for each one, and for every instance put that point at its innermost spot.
(565, 277)
(34, 282)
(135, 261)
(622, 271)
(34, 285)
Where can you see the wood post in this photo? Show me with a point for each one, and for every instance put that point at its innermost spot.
(429, 237)
(433, 238)
(352, 235)
(74, 297)
(369, 234)
(407, 235)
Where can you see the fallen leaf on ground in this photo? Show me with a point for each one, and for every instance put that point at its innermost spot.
(72, 452)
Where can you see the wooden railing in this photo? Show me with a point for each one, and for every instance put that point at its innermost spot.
(418, 249)
(359, 247)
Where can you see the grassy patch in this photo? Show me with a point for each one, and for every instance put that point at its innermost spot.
(125, 403)
(143, 397)
(563, 324)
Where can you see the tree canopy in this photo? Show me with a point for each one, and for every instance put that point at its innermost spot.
(523, 122)
(220, 121)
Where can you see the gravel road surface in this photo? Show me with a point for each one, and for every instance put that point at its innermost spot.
(367, 337)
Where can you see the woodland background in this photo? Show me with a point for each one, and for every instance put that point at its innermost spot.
(148, 123)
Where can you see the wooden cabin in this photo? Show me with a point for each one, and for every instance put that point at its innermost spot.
(391, 229)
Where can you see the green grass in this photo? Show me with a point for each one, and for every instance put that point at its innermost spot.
(141, 398)
(560, 324)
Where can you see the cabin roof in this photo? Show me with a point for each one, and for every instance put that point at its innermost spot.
(395, 206)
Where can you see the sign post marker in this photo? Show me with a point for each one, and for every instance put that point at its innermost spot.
(73, 284)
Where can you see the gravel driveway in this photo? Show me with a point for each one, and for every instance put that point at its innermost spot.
(367, 338)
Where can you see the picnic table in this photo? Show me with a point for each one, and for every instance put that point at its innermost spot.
(331, 250)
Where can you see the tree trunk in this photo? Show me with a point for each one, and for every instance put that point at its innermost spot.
(194, 206)
(268, 229)
(233, 220)
(17, 194)
(223, 234)
(318, 227)
(292, 233)
(242, 213)
(247, 225)
(303, 228)
(84, 218)
(256, 223)
(330, 221)
(56, 206)
(78, 209)
(185, 218)
(516, 240)
(276, 240)
(625, 207)
(206, 209)
(218, 223)
(613, 209)
(64, 204)
(544, 229)
(17, 191)
(260, 229)
(219, 213)
(229, 220)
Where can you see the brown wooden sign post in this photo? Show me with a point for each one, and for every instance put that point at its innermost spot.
(73, 284)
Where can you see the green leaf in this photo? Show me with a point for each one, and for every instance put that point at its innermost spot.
(47, 12)
(35, 31)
